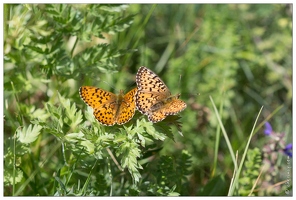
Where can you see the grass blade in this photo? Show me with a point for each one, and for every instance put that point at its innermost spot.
(235, 182)
(225, 135)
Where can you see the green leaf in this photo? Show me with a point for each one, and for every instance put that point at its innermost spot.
(130, 152)
(75, 137)
(8, 176)
(151, 130)
(251, 171)
(35, 48)
(90, 147)
(74, 116)
(30, 134)
(114, 7)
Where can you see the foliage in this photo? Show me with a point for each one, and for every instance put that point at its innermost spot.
(251, 172)
(238, 54)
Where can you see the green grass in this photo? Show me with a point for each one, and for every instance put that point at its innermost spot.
(232, 65)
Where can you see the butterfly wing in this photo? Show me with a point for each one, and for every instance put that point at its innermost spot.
(172, 107)
(151, 89)
(127, 107)
(104, 103)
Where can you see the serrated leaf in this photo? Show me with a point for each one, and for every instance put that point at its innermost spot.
(89, 146)
(114, 8)
(74, 137)
(34, 48)
(142, 140)
(28, 135)
(51, 11)
(173, 194)
(8, 176)
(61, 184)
(150, 129)
(130, 152)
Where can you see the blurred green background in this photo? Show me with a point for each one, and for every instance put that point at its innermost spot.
(239, 54)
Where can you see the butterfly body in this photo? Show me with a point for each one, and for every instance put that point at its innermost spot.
(109, 109)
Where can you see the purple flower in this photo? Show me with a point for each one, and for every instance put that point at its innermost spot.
(268, 129)
(288, 150)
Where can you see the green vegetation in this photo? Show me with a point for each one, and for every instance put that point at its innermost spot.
(232, 65)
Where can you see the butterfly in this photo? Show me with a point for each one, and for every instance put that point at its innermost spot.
(153, 97)
(108, 108)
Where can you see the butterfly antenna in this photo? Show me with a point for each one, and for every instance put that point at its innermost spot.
(111, 86)
(197, 94)
(132, 85)
(180, 81)
(179, 84)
